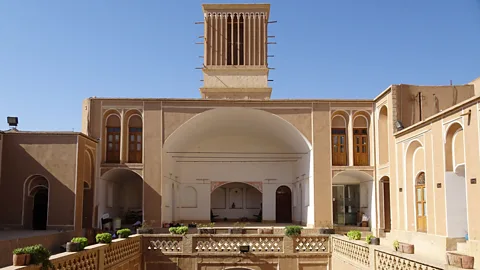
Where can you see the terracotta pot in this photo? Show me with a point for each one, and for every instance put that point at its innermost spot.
(265, 231)
(460, 260)
(236, 231)
(21, 259)
(73, 247)
(144, 231)
(406, 248)
(326, 231)
(375, 241)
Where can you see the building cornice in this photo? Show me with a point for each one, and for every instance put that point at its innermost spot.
(51, 133)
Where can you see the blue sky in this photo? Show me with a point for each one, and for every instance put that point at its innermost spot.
(54, 54)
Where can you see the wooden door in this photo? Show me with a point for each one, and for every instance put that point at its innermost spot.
(283, 205)
(339, 150)
(421, 203)
(386, 206)
(360, 147)
(135, 145)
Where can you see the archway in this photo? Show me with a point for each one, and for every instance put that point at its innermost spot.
(124, 196)
(414, 165)
(35, 203)
(283, 205)
(353, 197)
(40, 209)
(235, 201)
(455, 183)
(387, 214)
(88, 190)
(237, 145)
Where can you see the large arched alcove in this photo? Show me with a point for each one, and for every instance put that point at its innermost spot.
(240, 145)
(235, 201)
(123, 196)
(353, 195)
(88, 189)
(383, 135)
(414, 165)
(35, 202)
(455, 184)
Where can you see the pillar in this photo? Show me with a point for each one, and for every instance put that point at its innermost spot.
(350, 139)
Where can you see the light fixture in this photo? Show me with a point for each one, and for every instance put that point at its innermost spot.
(12, 121)
(399, 125)
(244, 249)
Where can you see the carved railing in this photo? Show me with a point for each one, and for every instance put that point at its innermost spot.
(99, 256)
(354, 252)
(163, 243)
(257, 244)
(311, 244)
(387, 261)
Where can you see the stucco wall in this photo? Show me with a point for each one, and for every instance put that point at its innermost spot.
(53, 157)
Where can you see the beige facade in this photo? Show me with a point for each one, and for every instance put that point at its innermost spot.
(399, 161)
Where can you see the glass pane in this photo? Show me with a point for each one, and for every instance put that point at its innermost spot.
(139, 147)
(364, 149)
(424, 191)
(357, 139)
(132, 138)
(139, 138)
(358, 149)
(419, 195)
(364, 140)
(116, 147)
(335, 139)
(110, 146)
(335, 148)
(341, 139)
(419, 210)
(110, 137)
(424, 209)
(117, 137)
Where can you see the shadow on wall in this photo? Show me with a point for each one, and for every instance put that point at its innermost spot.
(19, 165)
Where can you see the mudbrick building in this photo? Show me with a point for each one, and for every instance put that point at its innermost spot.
(396, 166)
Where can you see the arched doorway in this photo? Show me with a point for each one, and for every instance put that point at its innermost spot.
(283, 205)
(421, 202)
(40, 209)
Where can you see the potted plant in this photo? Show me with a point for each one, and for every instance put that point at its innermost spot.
(354, 235)
(265, 230)
(293, 230)
(192, 225)
(182, 230)
(238, 228)
(105, 238)
(124, 233)
(77, 244)
(396, 245)
(21, 257)
(146, 227)
(40, 255)
(326, 228)
(206, 228)
(372, 240)
(403, 247)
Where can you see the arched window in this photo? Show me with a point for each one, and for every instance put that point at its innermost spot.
(135, 139)
(421, 202)
(113, 139)
(339, 140)
(360, 141)
(383, 135)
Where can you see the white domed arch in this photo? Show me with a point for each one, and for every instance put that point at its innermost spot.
(242, 145)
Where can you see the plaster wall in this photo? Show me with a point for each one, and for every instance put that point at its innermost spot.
(456, 211)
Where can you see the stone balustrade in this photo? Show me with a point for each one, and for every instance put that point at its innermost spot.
(349, 254)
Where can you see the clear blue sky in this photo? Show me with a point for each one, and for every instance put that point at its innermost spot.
(54, 54)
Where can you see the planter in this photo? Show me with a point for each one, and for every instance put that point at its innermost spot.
(375, 241)
(123, 237)
(326, 231)
(236, 231)
(406, 248)
(206, 231)
(73, 247)
(265, 231)
(21, 259)
(460, 260)
(144, 231)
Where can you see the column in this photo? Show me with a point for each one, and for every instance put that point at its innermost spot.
(123, 136)
(350, 139)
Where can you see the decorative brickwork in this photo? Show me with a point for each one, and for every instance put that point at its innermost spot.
(356, 253)
(165, 244)
(119, 251)
(386, 261)
(232, 244)
(81, 260)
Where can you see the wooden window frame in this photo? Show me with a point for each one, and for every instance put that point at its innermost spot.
(360, 157)
(112, 155)
(135, 153)
(421, 219)
(339, 158)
